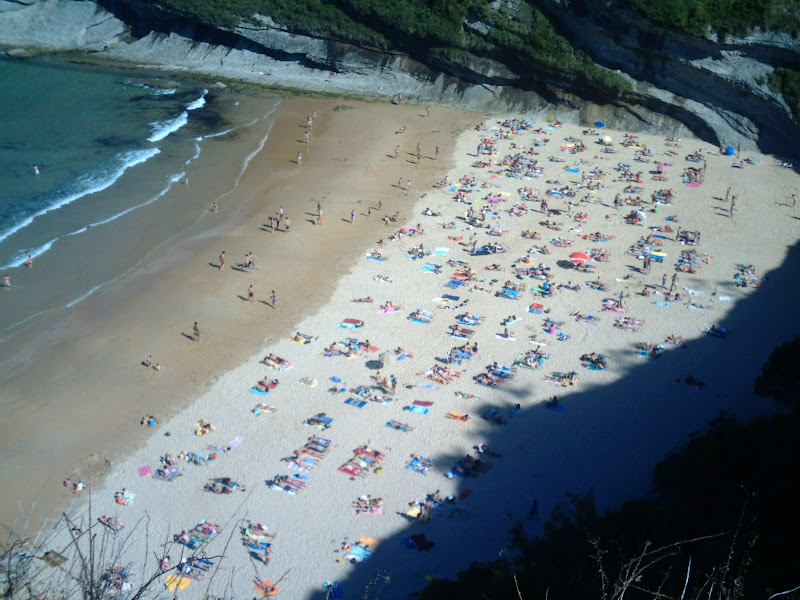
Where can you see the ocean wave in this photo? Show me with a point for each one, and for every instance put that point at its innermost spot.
(153, 90)
(172, 180)
(90, 183)
(199, 103)
(162, 129)
(21, 257)
(197, 151)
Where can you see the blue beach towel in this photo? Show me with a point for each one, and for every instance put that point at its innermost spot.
(356, 403)
(416, 409)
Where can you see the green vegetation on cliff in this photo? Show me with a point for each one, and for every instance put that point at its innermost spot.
(725, 17)
(787, 82)
(517, 33)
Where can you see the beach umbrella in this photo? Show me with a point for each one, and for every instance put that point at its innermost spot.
(386, 357)
(606, 139)
(641, 215)
(663, 168)
(599, 124)
(579, 257)
(730, 151)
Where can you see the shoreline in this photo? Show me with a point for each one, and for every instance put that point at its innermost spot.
(121, 319)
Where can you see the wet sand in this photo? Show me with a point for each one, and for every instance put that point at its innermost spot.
(73, 385)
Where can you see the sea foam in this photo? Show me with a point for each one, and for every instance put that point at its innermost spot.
(162, 129)
(91, 183)
(199, 103)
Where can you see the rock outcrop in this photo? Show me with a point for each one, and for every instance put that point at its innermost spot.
(679, 83)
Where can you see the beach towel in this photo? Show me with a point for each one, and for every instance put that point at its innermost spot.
(255, 390)
(356, 403)
(441, 251)
(235, 441)
(724, 298)
(416, 409)
(572, 170)
(422, 403)
(145, 471)
(451, 297)
(173, 582)
(351, 323)
(453, 284)
(427, 385)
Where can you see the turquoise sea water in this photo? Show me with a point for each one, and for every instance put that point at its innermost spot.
(109, 151)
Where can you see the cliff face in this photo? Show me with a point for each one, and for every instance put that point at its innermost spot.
(714, 89)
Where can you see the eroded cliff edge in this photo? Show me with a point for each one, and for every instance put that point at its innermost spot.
(676, 82)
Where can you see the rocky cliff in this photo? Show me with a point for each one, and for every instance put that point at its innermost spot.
(716, 90)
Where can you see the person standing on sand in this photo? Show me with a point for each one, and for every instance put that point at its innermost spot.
(251, 293)
(427, 111)
(287, 225)
(319, 216)
(196, 332)
(222, 260)
(733, 206)
(29, 262)
(396, 151)
(664, 281)
(299, 158)
(352, 217)
(437, 153)
(274, 300)
(400, 183)
(214, 207)
(674, 282)
(7, 282)
(308, 135)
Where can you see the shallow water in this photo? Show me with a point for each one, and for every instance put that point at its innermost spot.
(113, 157)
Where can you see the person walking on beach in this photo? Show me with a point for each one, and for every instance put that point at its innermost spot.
(674, 282)
(299, 158)
(319, 216)
(308, 135)
(274, 300)
(287, 225)
(396, 151)
(733, 206)
(251, 293)
(352, 216)
(427, 111)
(400, 183)
(29, 262)
(196, 332)
(664, 281)
(280, 213)
(221, 260)
(437, 153)
(7, 282)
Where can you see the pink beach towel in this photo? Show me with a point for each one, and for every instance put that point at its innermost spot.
(145, 471)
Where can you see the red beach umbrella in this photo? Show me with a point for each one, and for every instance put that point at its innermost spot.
(579, 257)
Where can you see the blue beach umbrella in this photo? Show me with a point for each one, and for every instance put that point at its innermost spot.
(599, 124)
(730, 151)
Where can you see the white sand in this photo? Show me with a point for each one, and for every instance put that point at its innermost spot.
(617, 424)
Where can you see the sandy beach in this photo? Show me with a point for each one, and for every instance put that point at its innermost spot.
(441, 283)
(87, 407)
